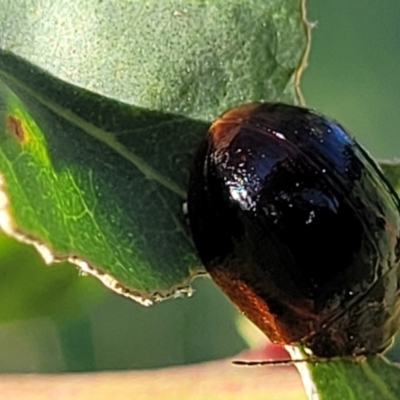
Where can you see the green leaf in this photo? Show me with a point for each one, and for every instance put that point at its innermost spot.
(193, 57)
(97, 181)
(112, 199)
(374, 378)
(391, 170)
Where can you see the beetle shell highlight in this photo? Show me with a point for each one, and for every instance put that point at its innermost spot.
(299, 227)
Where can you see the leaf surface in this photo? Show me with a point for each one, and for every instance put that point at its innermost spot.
(375, 378)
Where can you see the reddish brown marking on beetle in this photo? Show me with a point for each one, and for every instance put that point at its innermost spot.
(225, 128)
(14, 127)
(249, 303)
(240, 113)
(257, 310)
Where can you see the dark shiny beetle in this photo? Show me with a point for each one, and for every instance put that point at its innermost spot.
(298, 226)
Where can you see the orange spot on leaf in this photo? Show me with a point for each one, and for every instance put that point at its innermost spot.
(15, 128)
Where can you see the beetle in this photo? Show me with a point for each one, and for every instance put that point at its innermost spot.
(298, 226)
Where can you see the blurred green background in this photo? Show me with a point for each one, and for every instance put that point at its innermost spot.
(53, 320)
